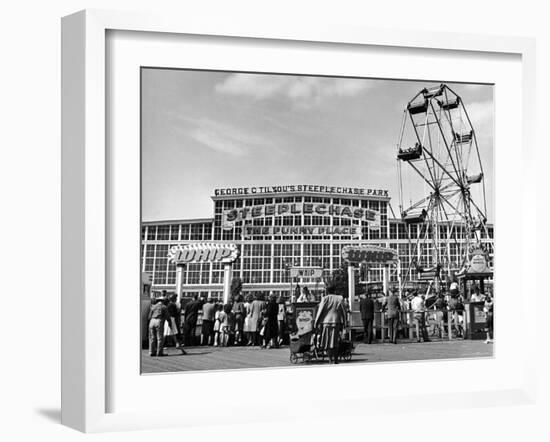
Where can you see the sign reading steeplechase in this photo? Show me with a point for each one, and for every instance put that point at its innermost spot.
(301, 188)
(372, 217)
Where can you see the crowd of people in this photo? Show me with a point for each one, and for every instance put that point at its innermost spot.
(439, 306)
(254, 321)
(250, 321)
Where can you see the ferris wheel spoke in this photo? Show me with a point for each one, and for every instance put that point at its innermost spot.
(445, 141)
(417, 204)
(443, 168)
(430, 143)
(474, 137)
(423, 177)
(451, 223)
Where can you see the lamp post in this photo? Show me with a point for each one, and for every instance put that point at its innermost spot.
(287, 266)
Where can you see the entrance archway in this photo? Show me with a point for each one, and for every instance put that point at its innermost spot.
(182, 255)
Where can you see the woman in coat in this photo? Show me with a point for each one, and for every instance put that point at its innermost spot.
(331, 316)
(239, 310)
(254, 316)
(271, 326)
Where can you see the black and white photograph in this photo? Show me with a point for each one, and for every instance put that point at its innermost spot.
(299, 220)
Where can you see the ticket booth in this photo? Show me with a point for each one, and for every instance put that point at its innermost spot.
(366, 255)
(305, 276)
(474, 320)
(476, 272)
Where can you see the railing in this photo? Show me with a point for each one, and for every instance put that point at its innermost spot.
(437, 322)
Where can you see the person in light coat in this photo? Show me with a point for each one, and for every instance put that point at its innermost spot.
(254, 315)
(332, 318)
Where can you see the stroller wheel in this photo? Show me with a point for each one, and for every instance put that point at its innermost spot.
(293, 358)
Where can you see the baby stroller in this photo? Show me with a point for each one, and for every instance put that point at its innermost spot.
(303, 347)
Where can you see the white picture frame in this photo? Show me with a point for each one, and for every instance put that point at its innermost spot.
(86, 202)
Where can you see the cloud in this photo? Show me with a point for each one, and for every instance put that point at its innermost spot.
(481, 115)
(301, 90)
(472, 87)
(224, 138)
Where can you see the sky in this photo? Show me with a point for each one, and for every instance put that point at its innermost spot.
(203, 130)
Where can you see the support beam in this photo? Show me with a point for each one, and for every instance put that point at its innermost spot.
(385, 279)
(179, 281)
(351, 285)
(351, 295)
(227, 276)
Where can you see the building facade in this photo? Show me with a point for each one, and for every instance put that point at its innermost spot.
(276, 228)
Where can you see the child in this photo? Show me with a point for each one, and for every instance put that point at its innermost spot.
(227, 326)
(218, 319)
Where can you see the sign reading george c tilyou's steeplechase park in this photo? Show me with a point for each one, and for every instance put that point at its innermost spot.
(301, 188)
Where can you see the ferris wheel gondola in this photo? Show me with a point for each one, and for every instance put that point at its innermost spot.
(438, 147)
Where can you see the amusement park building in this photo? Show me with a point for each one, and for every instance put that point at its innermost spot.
(289, 226)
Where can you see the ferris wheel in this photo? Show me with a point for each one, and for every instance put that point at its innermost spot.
(441, 181)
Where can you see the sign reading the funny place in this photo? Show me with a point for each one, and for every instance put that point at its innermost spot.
(203, 252)
(301, 230)
(369, 254)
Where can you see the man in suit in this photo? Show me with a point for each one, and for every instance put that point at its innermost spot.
(392, 306)
(366, 306)
(331, 316)
(191, 314)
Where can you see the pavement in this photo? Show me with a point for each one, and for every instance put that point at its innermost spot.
(229, 358)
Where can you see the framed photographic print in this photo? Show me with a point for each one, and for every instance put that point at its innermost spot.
(292, 204)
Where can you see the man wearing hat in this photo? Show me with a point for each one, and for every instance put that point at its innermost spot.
(207, 328)
(392, 306)
(419, 310)
(191, 312)
(157, 316)
(366, 306)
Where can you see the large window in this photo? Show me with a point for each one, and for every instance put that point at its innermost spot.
(163, 233)
(256, 263)
(174, 232)
(161, 264)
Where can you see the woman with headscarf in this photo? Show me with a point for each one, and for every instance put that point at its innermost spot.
(331, 316)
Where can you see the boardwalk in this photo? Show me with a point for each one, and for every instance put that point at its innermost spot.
(216, 358)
